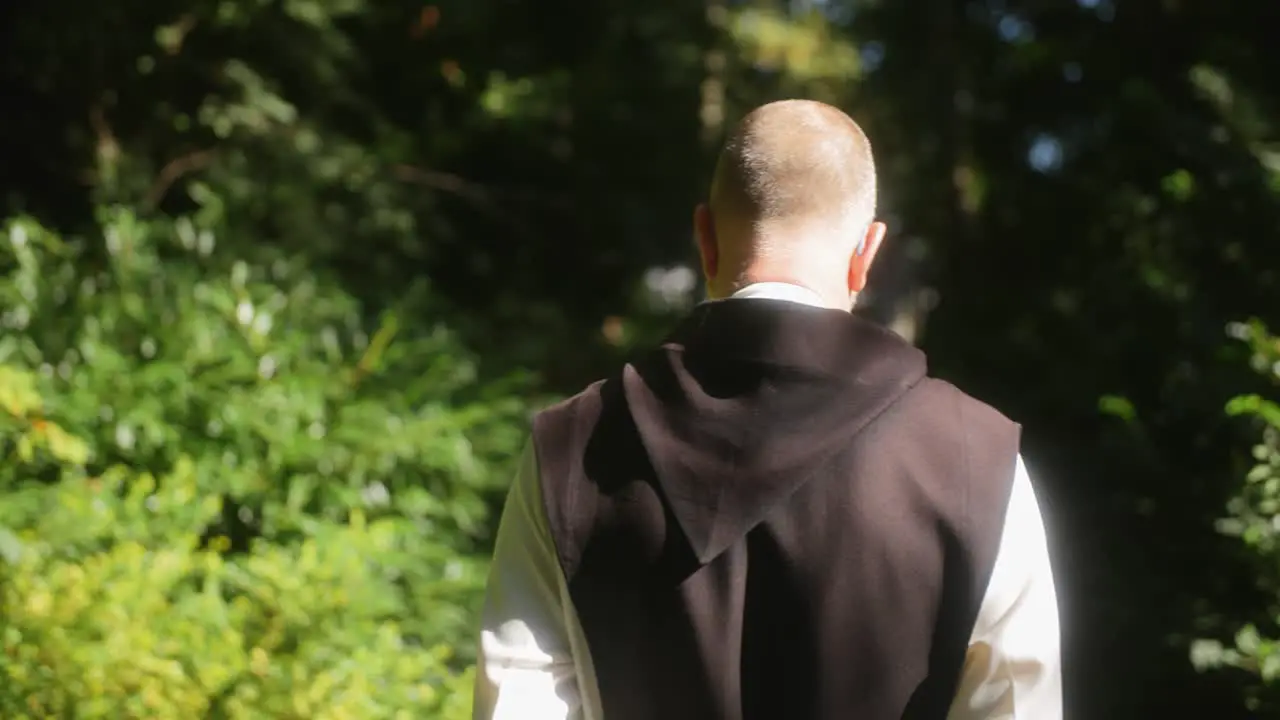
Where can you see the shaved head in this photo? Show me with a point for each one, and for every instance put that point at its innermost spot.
(796, 162)
(793, 200)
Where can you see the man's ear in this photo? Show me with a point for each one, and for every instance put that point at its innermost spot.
(865, 254)
(704, 230)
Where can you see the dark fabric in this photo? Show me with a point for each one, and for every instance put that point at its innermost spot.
(776, 514)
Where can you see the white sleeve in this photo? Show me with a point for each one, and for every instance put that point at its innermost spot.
(526, 668)
(1013, 669)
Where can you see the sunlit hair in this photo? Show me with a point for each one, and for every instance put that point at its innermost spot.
(796, 162)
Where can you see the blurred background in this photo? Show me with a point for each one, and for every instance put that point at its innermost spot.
(281, 282)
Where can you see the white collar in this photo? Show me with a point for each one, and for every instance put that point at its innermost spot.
(780, 291)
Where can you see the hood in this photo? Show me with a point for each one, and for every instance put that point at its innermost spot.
(748, 399)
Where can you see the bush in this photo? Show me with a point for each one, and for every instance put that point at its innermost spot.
(1254, 517)
(222, 497)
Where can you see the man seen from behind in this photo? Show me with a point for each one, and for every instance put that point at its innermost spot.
(776, 514)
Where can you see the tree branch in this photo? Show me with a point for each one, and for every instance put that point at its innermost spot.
(172, 172)
(446, 182)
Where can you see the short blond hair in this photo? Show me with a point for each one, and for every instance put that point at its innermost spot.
(796, 161)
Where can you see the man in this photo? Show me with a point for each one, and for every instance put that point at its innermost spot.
(775, 514)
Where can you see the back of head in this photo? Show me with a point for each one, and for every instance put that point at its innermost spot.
(793, 200)
(794, 164)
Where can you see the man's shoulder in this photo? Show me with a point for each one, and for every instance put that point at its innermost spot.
(568, 424)
(586, 400)
(930, 390)
(607, 392)
(936, 391)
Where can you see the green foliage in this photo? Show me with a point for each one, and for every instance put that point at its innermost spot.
(805, 46)
(1254, 517)
(223, 496)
